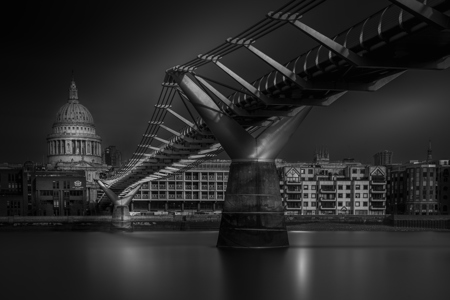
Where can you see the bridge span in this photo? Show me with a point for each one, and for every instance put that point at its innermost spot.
(252, 119)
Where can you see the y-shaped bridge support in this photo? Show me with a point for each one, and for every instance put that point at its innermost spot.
(253, 213)
(121, 218)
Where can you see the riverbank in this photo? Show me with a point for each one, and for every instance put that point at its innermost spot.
(357, 227)
(211, 222)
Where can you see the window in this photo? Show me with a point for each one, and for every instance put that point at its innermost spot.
(365, 195)
(347, 203)
(340, 195)
(76, 193)
(313, 195)
(347, 195)
(354, 171)
(313, 204)
(313, 187)
(310, 171)
(55, 185)
(305, 195)
(365, 187)
(305, 187)
(357, 187)
(364, 203)
(339, 203)
(305, 204)
(46, 193)
(357, 195)
(340, 187)
(347, 187)
(357, 203)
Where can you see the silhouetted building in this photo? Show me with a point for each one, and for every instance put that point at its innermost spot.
(321, 156)
(444, 186)
(419, 188)
(11, 191)
(112, 157)
(30, 190)
(413, 189)
(59, 193)
(383, 158)
(429, 152)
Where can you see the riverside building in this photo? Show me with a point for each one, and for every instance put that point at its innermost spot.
(319, 188)
(348, 188)
(419, 188)
(199, 189)
(30, 190)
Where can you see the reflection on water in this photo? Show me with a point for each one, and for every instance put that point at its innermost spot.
(187, 265)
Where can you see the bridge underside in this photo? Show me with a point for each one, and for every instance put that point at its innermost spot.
(255, 121)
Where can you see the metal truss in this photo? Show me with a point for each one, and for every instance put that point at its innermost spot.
(364, 57)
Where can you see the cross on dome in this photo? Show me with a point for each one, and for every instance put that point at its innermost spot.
(73, 92)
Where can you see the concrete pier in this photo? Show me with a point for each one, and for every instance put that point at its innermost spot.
(253, 214)
(121, 218)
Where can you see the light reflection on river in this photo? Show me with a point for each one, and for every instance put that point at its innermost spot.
(187, 265)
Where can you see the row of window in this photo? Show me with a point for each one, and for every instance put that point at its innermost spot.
(190, 176)
(188, 186)
(186, 195)
(331, 187)
(65, 193)
(331, 196)
(339, 204)
(68, 128)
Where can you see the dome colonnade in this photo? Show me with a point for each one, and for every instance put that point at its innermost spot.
(73, 137)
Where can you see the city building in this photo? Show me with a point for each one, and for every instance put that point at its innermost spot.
(413, 189)
(59, 193)
(112, 157)
(419, 188)
(199, 189)
(444, 186)
(383, 158)
(74, 145)
(11, 190)
(306, 188)
(30, 190)
(347, 187)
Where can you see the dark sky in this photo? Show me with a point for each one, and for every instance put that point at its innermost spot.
(119, 52)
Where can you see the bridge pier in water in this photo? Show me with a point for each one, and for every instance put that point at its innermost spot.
(253, 213)
(121, 218)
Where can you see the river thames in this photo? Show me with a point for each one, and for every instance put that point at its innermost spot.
(187, 265)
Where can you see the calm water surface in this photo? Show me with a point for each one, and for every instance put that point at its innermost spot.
(187, 265)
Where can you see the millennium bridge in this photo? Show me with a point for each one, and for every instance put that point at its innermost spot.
(199, 115)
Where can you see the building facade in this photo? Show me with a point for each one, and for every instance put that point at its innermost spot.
(419, 188)
(333, 188)
(12, 191)
(199, 189)
(30, 190)
(112, 157)
(327, 188)
(59, 193)
(383, 158)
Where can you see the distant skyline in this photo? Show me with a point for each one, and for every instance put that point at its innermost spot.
(119, 52)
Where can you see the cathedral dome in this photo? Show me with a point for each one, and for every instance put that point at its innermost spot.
(74, 139)
(73, 111)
